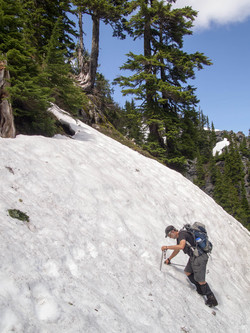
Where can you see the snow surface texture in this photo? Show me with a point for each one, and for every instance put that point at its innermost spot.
(89, 259)
(220, 146)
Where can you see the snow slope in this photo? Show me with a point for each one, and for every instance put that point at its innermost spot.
(220, 146)
(88, 260)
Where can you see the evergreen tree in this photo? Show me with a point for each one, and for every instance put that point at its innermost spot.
(110, 12)
(103, 88)
(212, 169)
(162, 71)
(189, 134)
(40, 18)
(204, 139)
(200, 180)
(29, 99)
(57, 72)
(229, 190)
(35, 39)
(212, 138)
(232, 201)
(244, 148)
(133, 123)
(234, 169)
(219, 188)
(243, 212)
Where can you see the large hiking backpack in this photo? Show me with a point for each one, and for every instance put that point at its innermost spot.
(202, 243)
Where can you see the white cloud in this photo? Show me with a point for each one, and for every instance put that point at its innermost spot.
(217, 11)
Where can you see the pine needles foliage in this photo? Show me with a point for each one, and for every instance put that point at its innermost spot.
(229, 189)
(35, 42)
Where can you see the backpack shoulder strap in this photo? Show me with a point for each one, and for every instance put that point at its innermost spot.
(186, 229)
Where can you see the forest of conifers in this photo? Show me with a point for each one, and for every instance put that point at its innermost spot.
(42, 47)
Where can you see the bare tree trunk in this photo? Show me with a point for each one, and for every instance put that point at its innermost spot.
(83, 60)
(94, 50)
(7, 128)
(87, 79)
(153, 126)
(81, 46)
(148, 67)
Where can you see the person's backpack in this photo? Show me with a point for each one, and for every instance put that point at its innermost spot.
(202, 243)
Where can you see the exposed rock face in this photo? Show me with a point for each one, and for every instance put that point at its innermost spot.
(7, 128)
(191, 172)
(94, 114)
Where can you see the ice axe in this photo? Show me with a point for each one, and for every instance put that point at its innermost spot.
(163, 256)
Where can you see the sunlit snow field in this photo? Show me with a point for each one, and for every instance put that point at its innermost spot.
(89, 259)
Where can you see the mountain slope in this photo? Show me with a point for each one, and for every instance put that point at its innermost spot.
(88, 260)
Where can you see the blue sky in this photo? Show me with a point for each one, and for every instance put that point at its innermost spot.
(222, 34)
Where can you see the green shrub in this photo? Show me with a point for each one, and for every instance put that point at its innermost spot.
(17, 214)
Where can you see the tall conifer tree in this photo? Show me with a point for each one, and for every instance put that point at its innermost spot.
(40, 18)
(29, 99)
(57, 72)
(162, 71)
